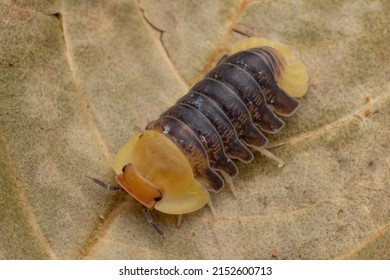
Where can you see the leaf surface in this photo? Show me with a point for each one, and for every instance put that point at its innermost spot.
(79, 78)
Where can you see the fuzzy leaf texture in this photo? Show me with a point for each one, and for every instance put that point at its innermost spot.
(79, 78)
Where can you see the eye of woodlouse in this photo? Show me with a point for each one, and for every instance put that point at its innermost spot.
(189, 150)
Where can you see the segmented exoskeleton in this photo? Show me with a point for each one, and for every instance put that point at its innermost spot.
(189, 149)
(224, 114)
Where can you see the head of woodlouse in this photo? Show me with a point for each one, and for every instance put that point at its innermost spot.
(153, 170)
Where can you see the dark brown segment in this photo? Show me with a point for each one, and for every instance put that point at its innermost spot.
(234, 108)
(186, 140)
(271, 57)
(233, 146)
(206, 134)
(257, 65)
(243, 84)
(222, 59)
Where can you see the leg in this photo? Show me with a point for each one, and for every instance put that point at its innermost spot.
(229, 182)
(268, 154)
(179, 219)
(210, 204)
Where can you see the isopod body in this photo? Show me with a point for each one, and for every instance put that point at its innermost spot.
(189, 150)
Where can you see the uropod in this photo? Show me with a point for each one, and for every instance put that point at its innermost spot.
(189, 150)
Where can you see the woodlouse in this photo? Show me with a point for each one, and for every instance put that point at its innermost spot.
(188, 150)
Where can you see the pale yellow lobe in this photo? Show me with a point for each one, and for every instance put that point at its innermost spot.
(123, 158)
(161, 162)
(293, 77)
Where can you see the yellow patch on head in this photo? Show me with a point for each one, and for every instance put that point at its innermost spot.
(293, 78)
(159, 161)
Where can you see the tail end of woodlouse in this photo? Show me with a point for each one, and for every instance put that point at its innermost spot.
(293, 77)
